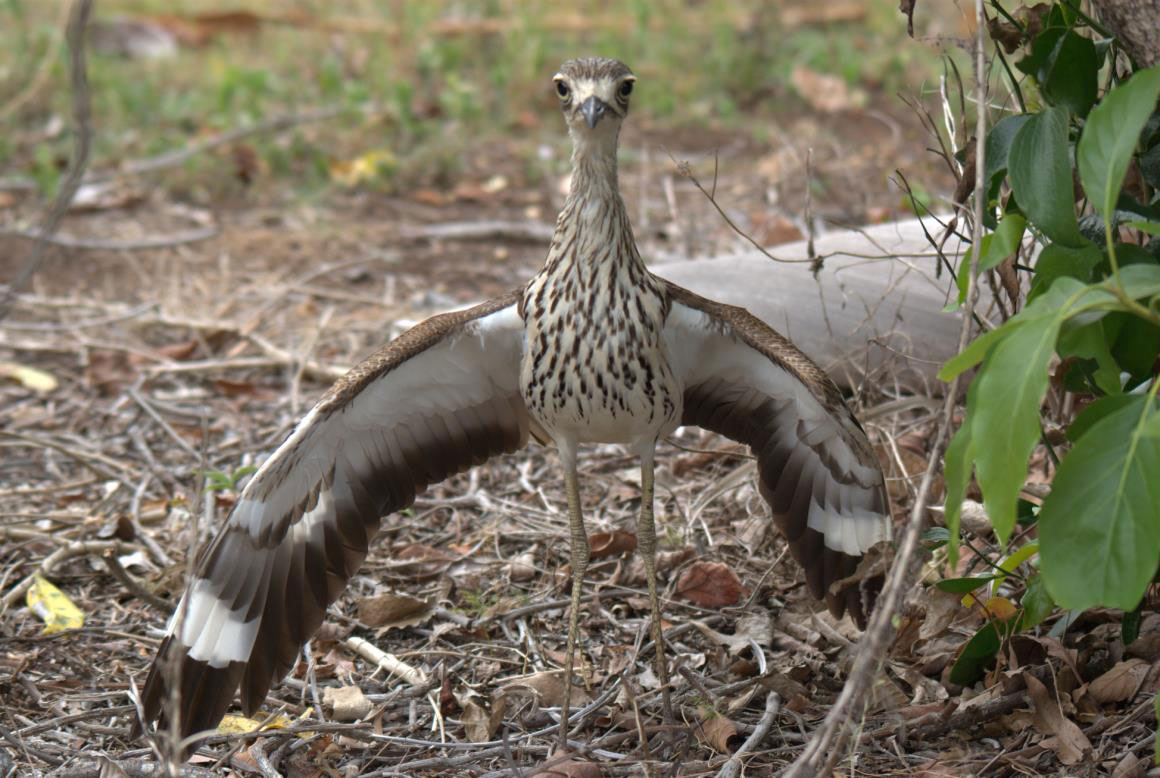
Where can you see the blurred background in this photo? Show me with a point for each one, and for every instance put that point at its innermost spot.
(304, 131)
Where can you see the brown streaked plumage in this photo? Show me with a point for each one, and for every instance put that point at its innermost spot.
(593, 348)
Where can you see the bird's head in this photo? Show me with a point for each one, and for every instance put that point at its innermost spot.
(594, 94)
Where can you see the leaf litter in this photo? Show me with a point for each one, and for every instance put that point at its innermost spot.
(444, 655)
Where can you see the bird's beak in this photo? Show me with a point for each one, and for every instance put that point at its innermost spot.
(592, 108)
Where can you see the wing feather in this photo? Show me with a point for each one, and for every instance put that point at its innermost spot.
(438, 399)
(816, 468)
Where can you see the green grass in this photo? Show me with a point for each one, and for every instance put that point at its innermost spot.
(715, 61)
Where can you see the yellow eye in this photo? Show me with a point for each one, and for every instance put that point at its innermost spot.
(562, 90)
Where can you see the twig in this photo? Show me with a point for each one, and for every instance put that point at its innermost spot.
(732, 768)
(134, 586)
(153, 414)
(68, 551)
(113, 244)
(384, 661)
(88, 459)
(822, 752)
(82, 141)
(687, 172)
(532, 232)
(132, 769)
(259, 755)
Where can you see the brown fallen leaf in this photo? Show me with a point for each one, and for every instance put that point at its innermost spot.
(757, 628)
(1130, 766)
(710, 585)
(1121, 683)
(562, 765)
(479, 725)
(719, 733)
(1066, 739)
(547, 687)
(393, 609)
(615, 543)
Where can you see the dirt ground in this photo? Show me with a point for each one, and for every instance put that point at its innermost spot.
(151, 375)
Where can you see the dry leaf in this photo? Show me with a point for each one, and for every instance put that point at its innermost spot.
(479, 725)
(562, 765)
(719, 733)
(1066, 739)
(710, 585)
(615, 543)
(347, 702)
(1130, 767)
(667, 560)
(548, 688)
(1121, 683)
(757, 628)
(393, 610)
(824, 92)
(523, 567)
(29, 377)
(55, 609)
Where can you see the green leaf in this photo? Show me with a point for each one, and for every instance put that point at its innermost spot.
(1099, 528)
(976, 655)
(1056, 261)
(1037, 603)
(997, 147)
(962, 585)
(1066, 65)
(1130, 626)
(1005, 417)
(1012, 561)
(1090, 341)
(1072, 80)
(1152, 228)
(1139, 280)
(994, 248)
(1110, 136)
(1040, 174)
(1136, 345)
(1102, 407)
(1047, 305)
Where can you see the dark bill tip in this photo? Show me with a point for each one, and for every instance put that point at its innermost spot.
(593, 108)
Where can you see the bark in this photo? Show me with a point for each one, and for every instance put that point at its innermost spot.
(1136, 23)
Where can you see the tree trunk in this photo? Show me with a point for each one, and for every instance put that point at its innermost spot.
(1137, 25)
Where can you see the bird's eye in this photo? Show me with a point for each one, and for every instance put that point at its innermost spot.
(562, 90)
(625, 89)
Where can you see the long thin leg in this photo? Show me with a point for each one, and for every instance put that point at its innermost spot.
(579, 566)
(646, 536)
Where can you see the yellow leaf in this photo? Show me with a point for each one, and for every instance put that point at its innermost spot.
(31, 378)
(232, 724)
(1001, 608)
(53, 607)
(364, 168)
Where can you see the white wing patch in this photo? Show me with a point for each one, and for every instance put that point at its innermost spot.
(702, 351)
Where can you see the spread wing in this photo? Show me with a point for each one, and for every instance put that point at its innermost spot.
(440, 398)
(815, 466)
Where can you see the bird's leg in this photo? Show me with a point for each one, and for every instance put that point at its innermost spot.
(579, 566)
(646, 535)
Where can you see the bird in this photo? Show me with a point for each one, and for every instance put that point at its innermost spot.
(594, 348)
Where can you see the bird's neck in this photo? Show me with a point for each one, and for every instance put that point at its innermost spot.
(593, 229)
